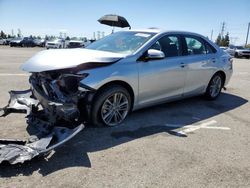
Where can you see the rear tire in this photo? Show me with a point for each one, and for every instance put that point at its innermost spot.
(214, 87)
(236, 55)
(111, 106)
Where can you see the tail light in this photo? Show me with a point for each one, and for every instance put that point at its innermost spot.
(230, 60)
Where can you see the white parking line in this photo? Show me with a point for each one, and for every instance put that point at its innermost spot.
(192, 128)
(13, 74)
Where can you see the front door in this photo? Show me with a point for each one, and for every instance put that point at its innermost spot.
(162, 78)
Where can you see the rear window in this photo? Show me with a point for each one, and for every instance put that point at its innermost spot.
(197, 46)
(209, 48)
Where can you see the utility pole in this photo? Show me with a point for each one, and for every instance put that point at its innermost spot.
(211, 37)
(222, 29)
(98, 35)
(247, 33)
(19, 32)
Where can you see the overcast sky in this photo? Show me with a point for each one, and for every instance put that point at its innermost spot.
(79, 18)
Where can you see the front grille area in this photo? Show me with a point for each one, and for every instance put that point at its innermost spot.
(75, 44)
(246, 52)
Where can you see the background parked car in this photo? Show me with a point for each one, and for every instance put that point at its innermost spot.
(8, 41)
(223, 47)
(238, 51)
(40, 42)
(2, 41)
(77, 42)
(55, 43)
(23, 42)
(16, 42)
(28, 42)
(227, 50)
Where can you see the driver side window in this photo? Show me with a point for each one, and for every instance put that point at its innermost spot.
(169, 45)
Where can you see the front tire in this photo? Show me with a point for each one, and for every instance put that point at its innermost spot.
(111, 106)
(214, 87)
(236, 55)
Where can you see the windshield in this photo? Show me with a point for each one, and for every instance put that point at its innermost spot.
(240, 47)
(55, 40)
(76, 38)
(125, 42)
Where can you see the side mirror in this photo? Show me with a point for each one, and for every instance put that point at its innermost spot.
(155, 54)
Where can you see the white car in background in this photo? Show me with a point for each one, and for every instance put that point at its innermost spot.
(77, 42)
(223, 47)
(55, 43)
(2, 41)
(238, 51)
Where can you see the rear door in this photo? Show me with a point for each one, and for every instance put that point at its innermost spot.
(199, 60)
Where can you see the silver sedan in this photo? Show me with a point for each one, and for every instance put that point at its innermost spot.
(126, 71)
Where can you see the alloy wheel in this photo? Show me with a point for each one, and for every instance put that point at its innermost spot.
(215, 86)
(114, 109)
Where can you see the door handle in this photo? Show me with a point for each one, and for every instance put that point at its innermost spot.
(183, 65)
(213, 60)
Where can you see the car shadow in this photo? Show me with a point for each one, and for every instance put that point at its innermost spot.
(141, 123)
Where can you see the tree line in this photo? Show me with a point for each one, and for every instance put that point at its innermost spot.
(5, 36)
(223, 40)
(47, 37)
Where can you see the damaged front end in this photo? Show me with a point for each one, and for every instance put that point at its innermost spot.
(52, 108)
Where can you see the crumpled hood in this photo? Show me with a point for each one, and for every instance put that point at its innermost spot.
(48, 60)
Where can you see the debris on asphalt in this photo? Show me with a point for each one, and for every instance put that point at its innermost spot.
(50, 134)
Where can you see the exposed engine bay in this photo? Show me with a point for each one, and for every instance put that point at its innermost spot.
(52, 107)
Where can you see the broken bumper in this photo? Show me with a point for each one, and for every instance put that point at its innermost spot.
(50, 133)
(18, 151)
(20, 101)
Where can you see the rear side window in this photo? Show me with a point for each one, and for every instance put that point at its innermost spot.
(195, 46)
(169, 45)
(209, 48)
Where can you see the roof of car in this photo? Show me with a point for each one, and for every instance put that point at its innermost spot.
(150, 30)
(158, 30)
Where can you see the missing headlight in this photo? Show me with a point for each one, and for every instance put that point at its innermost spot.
(69, 82)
